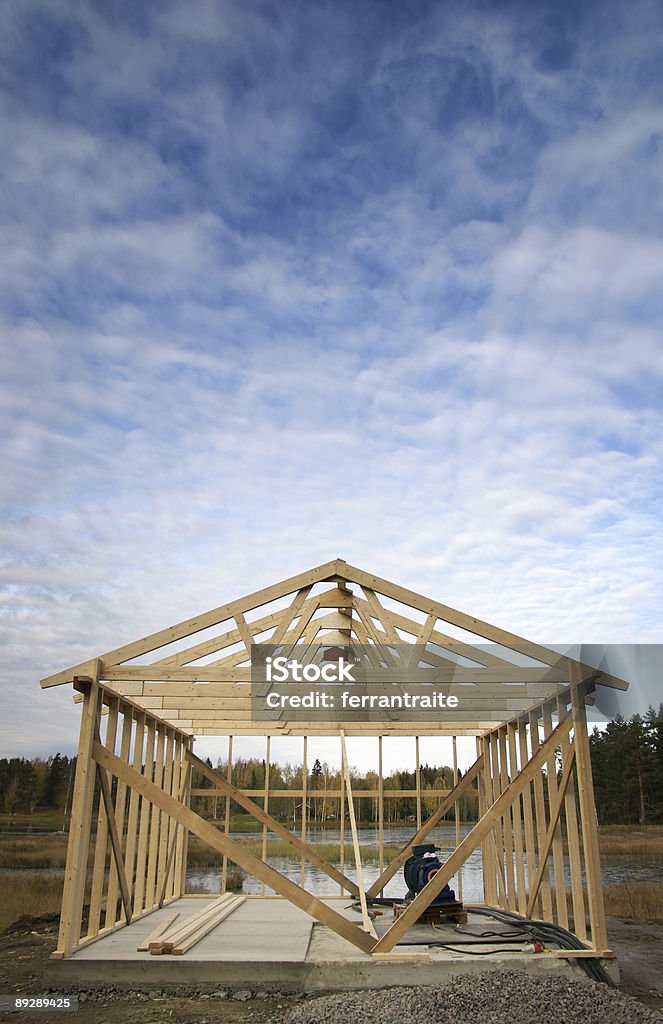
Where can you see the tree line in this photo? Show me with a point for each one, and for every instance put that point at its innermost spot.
(323, 781)
(627, 763)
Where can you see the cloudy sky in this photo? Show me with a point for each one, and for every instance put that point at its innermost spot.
(289, 281)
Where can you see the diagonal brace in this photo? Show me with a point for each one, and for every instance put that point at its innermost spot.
(274, 826)
(472, 840)
(235, 851)
(456, 793)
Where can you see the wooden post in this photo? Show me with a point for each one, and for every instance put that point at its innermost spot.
(488, 865)
(518, 838)
(530, 846)
(75, 874)
(101, 840)
(454, 747)
(355, 839)
(302, 862)
(508, 827)
(144, 824)
(588, 821)
(226, 820)
(183, 832)
(380, 811)
(540, 808)
(342, 821)
(573, 838)
(418, 780)
(132, 820)
(265, 806)
(155, 823)
(557, 845)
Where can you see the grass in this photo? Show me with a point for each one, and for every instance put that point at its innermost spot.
(200, 855)
(27, 893)
(45, 818)
(33, 851)
(631, 842)
(638, 901)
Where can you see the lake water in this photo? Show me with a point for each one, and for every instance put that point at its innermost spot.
(318, 883)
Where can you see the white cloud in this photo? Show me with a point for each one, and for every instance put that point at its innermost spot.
(280, 291)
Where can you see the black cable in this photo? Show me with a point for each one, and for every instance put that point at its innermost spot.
(546, 932)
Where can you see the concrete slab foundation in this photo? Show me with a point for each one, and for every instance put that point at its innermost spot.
(269, 944)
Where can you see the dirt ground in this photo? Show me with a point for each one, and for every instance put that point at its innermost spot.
(25, 948)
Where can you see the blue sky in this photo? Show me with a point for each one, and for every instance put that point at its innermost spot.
(285, 282)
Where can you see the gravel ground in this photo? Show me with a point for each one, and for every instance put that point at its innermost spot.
(488, 998)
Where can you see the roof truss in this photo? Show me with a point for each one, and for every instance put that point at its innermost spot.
(195, 674)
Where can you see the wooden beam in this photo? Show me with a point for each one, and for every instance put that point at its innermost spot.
(162, 927)
(212, 618)
(235, 851)
(473, 625)
(185, 945)
(456, 793)
(116, 844)
(80, 821)
(271, 823)
(588, 821)
(366, 921)
(556, 808)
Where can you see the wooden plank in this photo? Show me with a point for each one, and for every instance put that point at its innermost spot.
(389, 794)
(456, 793)
(238, 853)
(555, 810)
(497, 834)
(75, 871)
(119, 815)
(489, 867)
(530, 848)
(265, 806)
(540, 818)
(307, 852)
(454, 754)
(417, 777)
(155, 822)
(101, 839)
(212, 618)
(182, 832)
(162, 927)
(144, 826)
(177, 787)
(473, 625)
(162, 855)
(173, 841)
(366, 921)
(517, 813)
(573, 841)
(588, 817)
(181, 931)
(116, 844)
(559, 872)
(226, 818)
(304, 805)
(134, 800)
(470, 843)
(209, 926)
(380, 811)
(509, 851)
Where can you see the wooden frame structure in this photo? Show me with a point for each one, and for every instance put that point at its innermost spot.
(143, 703)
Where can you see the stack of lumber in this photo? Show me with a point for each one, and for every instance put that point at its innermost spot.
(177, 939)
